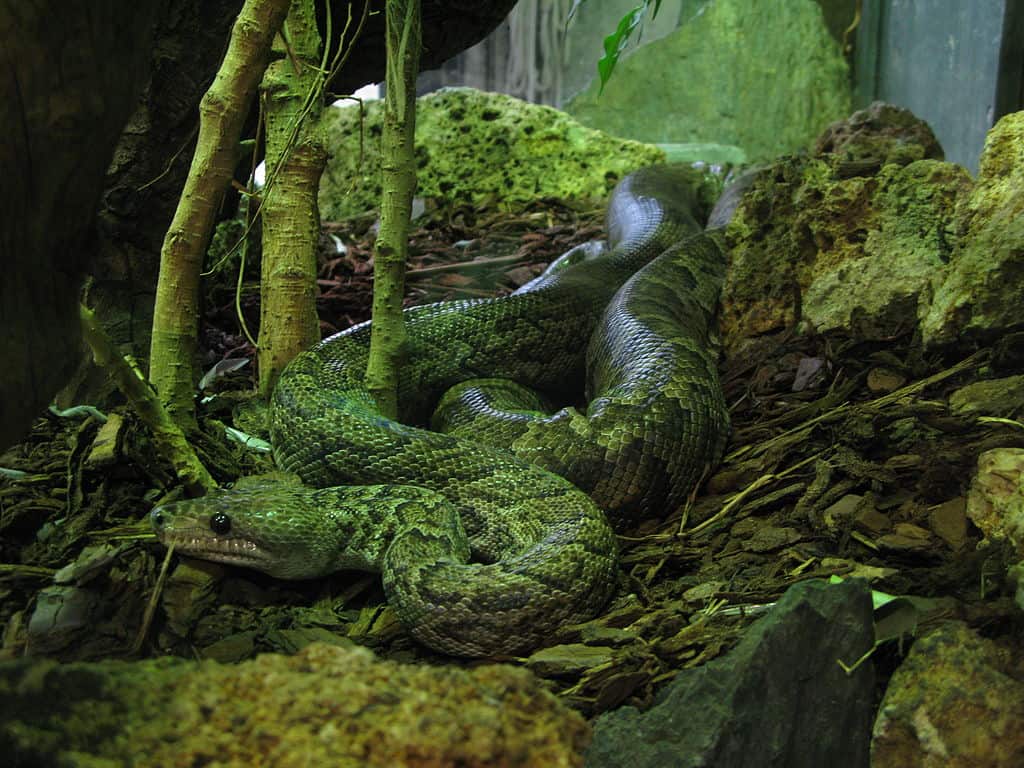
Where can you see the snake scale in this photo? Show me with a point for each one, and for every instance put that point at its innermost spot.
(486, 550)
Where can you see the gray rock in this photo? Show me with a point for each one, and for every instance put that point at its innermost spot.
(780, 698)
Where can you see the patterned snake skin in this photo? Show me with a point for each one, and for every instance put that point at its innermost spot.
(483, 550)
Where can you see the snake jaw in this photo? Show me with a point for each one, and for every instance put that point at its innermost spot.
(229, 550)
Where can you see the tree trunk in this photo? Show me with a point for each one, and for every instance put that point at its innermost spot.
(387, 334)
(296, 156)
(222, 113)
(69, 77)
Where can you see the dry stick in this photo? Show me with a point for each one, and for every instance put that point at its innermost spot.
(472, 264)
(910, 389)
(759, 483)
(168, 437)
(398, 170)
(801, 429)
(222, 113)
(158, 588)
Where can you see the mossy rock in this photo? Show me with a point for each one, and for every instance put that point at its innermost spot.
(983, 292)
(479, 148)
(853, 239)
(764, 77)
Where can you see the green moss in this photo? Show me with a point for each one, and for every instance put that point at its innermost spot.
(765, 77)
(860, 253)
(479, 148)
(323, 706)
(981, 296)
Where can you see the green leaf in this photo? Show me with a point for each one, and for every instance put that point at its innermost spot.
(616, 42)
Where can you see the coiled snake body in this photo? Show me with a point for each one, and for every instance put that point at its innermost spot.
(487, 550)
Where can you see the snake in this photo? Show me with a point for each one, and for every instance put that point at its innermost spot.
(491, 536)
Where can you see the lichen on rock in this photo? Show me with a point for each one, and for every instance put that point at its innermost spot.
(852, 238)
(323, 706)
(765, 77)
(983, 292)
(474, 147)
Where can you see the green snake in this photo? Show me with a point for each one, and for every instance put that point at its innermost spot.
(487, 549)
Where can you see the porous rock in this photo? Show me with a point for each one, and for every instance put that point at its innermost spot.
(982, 293)
(780, 698)
(325, 705)
(881, 134)
(995, 502)
(957, 701)
(853, 239)
(1003, 397)
(475, 147)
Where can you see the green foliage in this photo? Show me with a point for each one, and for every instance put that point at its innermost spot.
(617, 41)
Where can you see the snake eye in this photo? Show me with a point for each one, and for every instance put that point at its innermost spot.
(220, 523)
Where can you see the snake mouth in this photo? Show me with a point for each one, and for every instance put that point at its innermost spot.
(233, 551)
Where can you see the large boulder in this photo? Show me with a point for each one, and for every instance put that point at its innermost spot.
(478, 147)
(778, 699)
(764, 76)
(852, 238)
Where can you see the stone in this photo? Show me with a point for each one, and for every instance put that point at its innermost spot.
(1015, 574)
(567, 660)
(778, 699)
(190, 591)
(906, 537)
(323, 706)
(992, 397)
(882, 381)
(476, 148)
(843, 509)
(948, 521)
(872, 520)
(842, 245)
(767, 538)
(957, 701)
(762, 77)
(61, 614)
(105, 450)
(980, 298)
(884, 289)
(881, 134)
(236, 647)
(995, 501)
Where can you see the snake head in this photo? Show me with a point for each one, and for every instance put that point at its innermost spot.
(270, 527)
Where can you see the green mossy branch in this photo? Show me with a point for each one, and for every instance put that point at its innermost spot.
(168, 437)
(292, 99)
(222, 113)
(387, 334)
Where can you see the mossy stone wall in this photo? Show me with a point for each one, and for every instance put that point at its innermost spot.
(763, 75)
